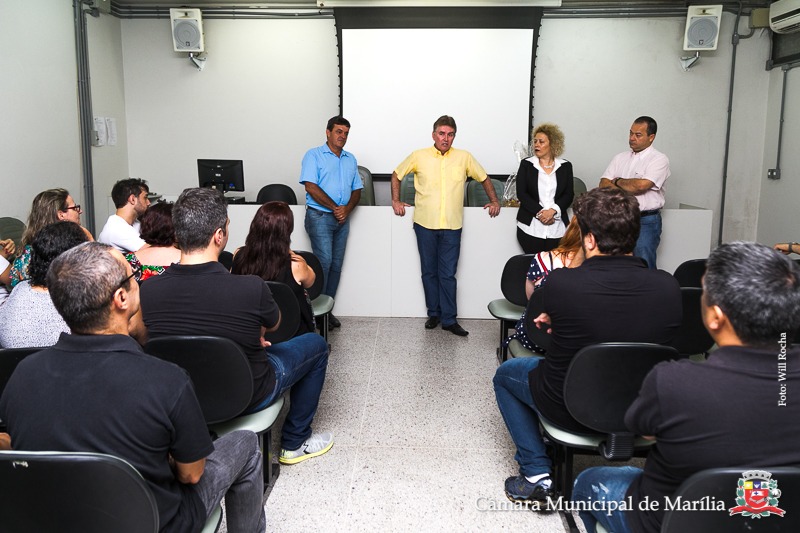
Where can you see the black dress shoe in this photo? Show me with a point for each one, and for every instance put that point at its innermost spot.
(456, 329)
(432, 322)
(333, 322)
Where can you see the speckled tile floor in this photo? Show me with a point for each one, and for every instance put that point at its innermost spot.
(419, 443)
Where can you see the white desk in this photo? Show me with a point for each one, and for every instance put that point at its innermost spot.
(381, 273)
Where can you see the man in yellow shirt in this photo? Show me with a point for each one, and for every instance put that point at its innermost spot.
(440, 172)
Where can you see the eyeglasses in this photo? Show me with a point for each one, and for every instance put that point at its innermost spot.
(136, 271)
(76, 207)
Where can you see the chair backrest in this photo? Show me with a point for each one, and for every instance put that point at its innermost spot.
(219, 369)
(690, 273)
(578, 186)
(476, 195)
(86, 492)
(692, 337)
(9, 359)
(407, 190)
(512, 282)
(290, 312)
(12, 228)
(603, 380)
(719, 485)
(368, 192)
(277, 192)
(313, 261)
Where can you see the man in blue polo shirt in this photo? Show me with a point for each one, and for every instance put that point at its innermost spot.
(333, 190)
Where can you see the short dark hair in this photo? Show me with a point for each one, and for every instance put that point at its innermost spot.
(337, 120)
(652, 127)
(51, 241)
(197, 214)
(156, 225)
(82, 282)
(445, 120)
(757, 288)
(123, 189)
(612, 216)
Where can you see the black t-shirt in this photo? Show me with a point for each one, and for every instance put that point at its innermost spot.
(207, 300)
(101, 393)
(724, 412)
(606, 299)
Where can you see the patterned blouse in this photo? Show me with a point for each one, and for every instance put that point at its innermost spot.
(19, 269)
(146, 271)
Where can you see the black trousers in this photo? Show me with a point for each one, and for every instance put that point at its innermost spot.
(534, 245)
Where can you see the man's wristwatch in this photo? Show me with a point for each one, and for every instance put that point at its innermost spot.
(616, 182)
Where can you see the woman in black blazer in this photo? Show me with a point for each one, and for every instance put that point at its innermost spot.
(545, 192)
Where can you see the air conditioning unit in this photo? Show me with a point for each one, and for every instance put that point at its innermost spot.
(784, 16)
(702, 27)
(187, 30)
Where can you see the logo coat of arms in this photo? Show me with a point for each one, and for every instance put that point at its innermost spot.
(757, 495)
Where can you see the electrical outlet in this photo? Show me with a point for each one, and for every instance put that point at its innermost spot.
(774, 173)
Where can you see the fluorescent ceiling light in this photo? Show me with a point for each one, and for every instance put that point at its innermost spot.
(439, 3)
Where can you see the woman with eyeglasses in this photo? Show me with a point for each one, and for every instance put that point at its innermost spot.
(48, 207)
(29, 319)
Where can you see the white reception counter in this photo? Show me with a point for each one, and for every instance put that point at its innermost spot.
(381, 275)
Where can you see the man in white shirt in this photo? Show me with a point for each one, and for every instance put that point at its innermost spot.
(642, 171)
(122, 228)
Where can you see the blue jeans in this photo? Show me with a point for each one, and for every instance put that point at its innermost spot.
(439, 250)
(300, 364)
(605, 484)
(233, 471)
(328, 242)
(513, 393)
(649, 239)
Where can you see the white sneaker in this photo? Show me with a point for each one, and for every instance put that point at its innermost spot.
(317, 444)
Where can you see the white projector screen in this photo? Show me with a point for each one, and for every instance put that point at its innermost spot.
(397, 82)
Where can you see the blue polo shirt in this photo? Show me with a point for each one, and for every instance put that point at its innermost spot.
(337, 176)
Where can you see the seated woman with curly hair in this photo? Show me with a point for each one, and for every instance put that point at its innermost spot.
(160, 250)
(267, 254)
(29, 319)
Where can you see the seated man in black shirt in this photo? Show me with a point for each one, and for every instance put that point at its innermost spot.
(97, 391)
(611, 297)
(731, 410)
(199, 297)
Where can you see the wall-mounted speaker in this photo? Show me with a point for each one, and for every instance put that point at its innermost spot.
(187, 30)
(702, 27)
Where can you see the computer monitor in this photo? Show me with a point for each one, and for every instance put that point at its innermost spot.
(223, 174)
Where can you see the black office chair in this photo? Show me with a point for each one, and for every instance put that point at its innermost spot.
(509, 309)
(12, 228)
(476, 196)
(690, 273)
(277, 192)
(721, 485)
(290, 312)
(601, 383)
(692, 338)
(322, 304)
(368, 192)
(223, 383)
(86, 492)
(407, 191)
(9, 359)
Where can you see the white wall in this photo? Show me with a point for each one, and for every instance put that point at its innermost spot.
(267, 91)
(109, 163)
(594, 76)
(778, 211)
(39, 129)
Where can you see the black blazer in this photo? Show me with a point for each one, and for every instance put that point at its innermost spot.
(528, 191)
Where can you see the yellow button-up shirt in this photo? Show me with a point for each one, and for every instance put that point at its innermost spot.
(439, 183)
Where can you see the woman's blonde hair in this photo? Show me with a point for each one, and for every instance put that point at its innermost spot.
(554, 135)
(44, 211)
